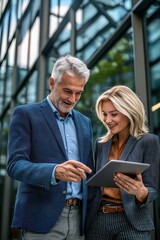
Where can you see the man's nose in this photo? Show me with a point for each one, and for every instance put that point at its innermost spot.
(72, 98)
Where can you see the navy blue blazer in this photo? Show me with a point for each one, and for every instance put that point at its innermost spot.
(35, 146)
(145, 150)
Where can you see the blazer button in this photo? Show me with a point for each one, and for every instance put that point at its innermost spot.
(64, 192)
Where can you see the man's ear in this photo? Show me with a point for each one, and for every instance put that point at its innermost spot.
(51, 83)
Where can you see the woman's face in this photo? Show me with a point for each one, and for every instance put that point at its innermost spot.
(117, 122)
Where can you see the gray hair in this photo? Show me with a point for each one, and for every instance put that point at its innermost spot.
(70, 65)
(127, 103)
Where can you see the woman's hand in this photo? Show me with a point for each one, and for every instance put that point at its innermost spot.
(132, 186)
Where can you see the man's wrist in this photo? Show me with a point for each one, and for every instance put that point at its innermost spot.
(54, 181)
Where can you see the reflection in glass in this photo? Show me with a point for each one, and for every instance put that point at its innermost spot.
(23, 4)
(21, 98)
(23, 57)
(154, 39)
(28, 94)
(81, 15)
(95, 28)
(58, 9)
(3, 4)
(51, 59)
(115, 67)
(62, 45)
(10, 71)
(2, 83)
(13, 18)
(34, 42)
(32, 88)
(4, 35)
(153, 34)
(115, 4)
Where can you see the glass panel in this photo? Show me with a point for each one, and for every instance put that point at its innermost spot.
(115, 67)
(23, 57)
(29, 92)
(50, 63)
(2, 84)
(13, 20)
(4, 3)
(82, 17)
(62, 45)
(58, 9)
(154, 39)
(10, 71)
(21, 98)
(0, 8)
(4, 35)
(34, 42)
(97, 27)
(32, 88)
(153, 34)
(115, 4)
(23, 4)
(0, 36)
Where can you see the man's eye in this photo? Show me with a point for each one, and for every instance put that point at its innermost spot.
(66, 91)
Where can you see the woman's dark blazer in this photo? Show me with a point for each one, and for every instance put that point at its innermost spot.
(144, 150)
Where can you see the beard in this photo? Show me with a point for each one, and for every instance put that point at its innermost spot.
(63, 106)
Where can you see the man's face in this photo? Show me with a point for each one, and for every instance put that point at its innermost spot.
(65, 94)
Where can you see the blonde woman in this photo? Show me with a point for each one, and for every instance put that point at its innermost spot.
(122, 213)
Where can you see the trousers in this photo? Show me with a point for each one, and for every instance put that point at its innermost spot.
(114, 226)
(66, 228)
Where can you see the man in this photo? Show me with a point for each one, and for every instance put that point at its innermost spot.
(50, 154)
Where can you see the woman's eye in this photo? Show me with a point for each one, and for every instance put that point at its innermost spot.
(114, 114)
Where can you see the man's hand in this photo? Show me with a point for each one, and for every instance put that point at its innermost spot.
(71, 171)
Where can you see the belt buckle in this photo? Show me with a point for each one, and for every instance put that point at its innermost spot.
(67, 203)
(103, 208)
(70, 202)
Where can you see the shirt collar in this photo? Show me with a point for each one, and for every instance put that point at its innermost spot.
(57, 114)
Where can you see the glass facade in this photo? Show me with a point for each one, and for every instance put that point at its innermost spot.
(119, 41)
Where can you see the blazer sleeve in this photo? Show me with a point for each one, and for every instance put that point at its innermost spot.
(19, 166)
(151, 155)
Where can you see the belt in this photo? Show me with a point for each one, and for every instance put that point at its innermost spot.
(111, 209)
(73, 202)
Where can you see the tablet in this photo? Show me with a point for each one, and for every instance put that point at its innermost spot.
(104, 177)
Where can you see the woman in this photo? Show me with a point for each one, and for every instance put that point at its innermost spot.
(122, 212)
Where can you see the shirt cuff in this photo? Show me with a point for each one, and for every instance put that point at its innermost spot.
(53, 179)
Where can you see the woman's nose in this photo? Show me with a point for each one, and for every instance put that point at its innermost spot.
(108, 119)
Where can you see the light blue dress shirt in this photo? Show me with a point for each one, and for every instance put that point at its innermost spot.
(69, 136)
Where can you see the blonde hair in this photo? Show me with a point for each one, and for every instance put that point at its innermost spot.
(127, 103)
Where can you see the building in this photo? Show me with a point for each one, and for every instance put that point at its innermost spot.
(120, 42)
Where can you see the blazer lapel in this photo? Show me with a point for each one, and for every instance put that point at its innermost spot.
(52, 123)
(105, 150)
(79, 127)
(128, 148)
